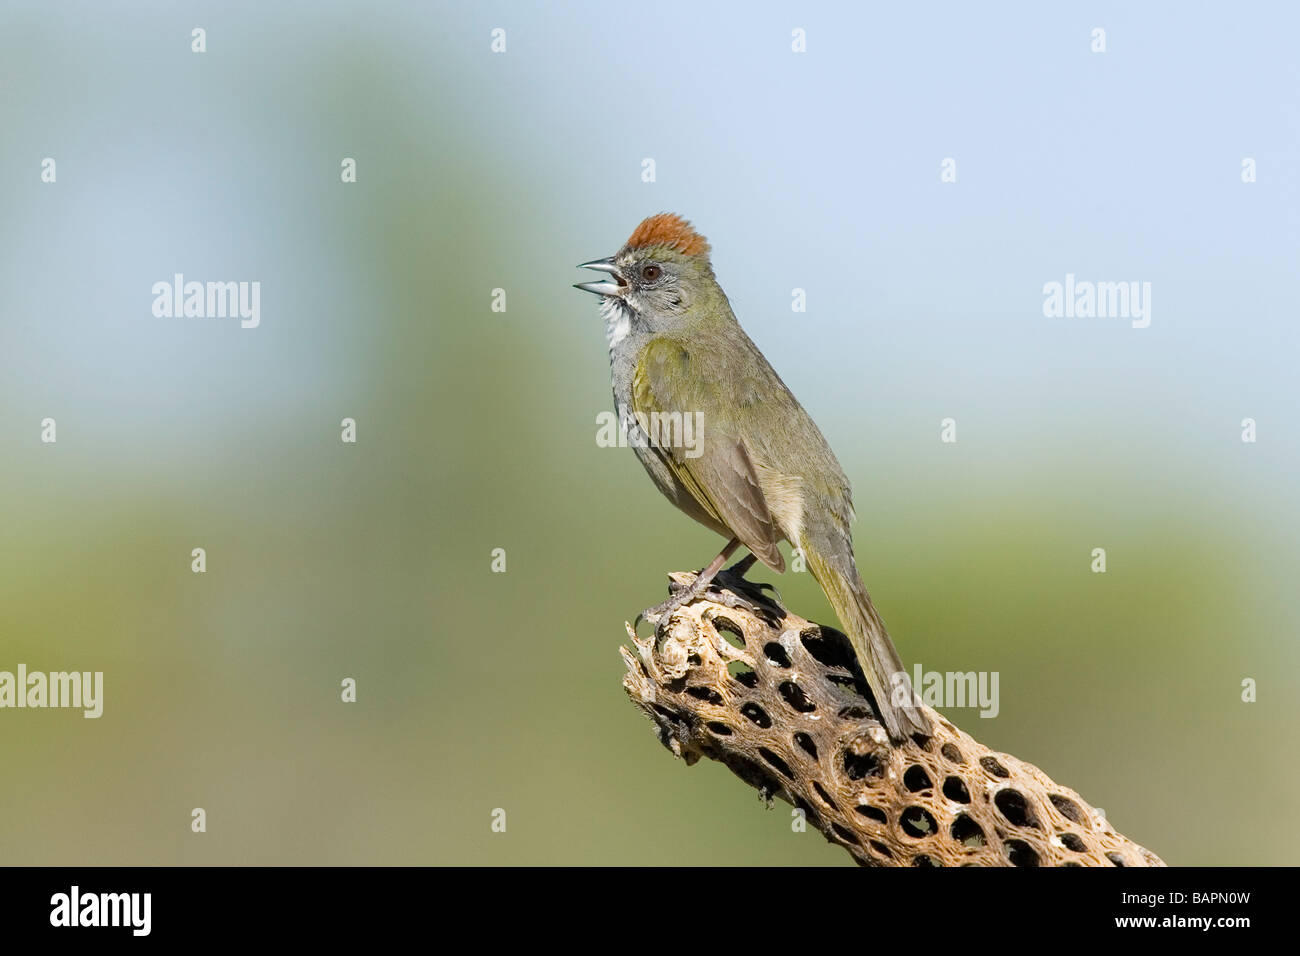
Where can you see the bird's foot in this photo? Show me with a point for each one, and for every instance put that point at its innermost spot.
(759, 590)
(728, 587)
(743, 593)
(682, 594)
(757, 604)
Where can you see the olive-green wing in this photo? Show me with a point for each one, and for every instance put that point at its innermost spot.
(717, 471)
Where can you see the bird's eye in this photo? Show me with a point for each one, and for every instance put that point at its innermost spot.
(651, 272)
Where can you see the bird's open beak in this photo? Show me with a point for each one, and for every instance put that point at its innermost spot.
(603, 288)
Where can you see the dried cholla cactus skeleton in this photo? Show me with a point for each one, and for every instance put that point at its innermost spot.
(738, 679)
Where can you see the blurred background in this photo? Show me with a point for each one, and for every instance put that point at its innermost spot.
(476, 429)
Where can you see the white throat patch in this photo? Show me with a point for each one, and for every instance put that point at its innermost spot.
(618, 320)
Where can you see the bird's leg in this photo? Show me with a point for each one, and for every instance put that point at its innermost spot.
(660, 613)
(742, 566)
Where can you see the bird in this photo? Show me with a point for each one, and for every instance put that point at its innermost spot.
(725, 440)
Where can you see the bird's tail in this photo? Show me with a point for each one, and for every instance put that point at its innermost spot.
(837, 573)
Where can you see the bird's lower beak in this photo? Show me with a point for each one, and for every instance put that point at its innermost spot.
(603, 288)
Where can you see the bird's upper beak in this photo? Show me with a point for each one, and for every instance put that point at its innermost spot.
(603, 288)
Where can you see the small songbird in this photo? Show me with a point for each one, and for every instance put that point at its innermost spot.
(727, 443)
